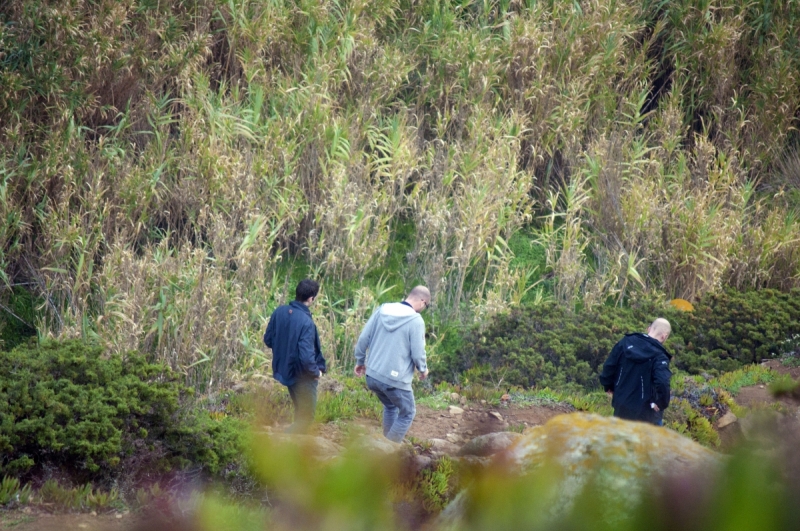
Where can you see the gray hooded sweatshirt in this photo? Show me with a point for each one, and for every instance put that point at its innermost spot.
(395, 337)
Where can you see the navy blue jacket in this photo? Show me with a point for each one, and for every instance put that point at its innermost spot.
(294, 340)
(637, 371)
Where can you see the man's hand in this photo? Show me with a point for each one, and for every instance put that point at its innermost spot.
(360, 370)
(423, 375)
(610, 393)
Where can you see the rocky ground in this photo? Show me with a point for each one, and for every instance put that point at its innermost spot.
(474, 429)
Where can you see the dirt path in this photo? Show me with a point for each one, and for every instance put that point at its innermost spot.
(475, 420)
(30, 520)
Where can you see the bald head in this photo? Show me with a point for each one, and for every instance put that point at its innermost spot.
(659, 330)
(419, 298)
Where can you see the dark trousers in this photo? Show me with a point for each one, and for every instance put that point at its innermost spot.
(304, 398)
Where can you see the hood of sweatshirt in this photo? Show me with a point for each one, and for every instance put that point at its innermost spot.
(393, 315)
(640, 347)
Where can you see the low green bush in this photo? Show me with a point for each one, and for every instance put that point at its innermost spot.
(71, 406)
(17, 317)
(731, 329)
(544, 346)
(549, 346)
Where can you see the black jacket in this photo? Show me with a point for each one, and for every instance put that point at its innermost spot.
(637, 371)
(293, 338)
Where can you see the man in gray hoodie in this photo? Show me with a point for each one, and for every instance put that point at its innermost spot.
(395, 338)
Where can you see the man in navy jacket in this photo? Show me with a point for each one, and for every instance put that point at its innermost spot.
(637, 374)
(297, 360)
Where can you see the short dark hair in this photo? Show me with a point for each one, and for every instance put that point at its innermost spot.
(305, 290)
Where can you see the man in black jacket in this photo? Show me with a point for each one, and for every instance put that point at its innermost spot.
(297, 360)
(637, 374)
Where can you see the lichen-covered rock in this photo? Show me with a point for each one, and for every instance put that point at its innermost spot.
(618, 456)
(580, 441)
(440, 447)
(616, 459)
(489, 444)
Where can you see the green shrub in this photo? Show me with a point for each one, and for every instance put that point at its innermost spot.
(68, 405)
(731, 329)
(547, 345)
(17, 318)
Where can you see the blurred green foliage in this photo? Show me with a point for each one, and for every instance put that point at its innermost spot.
(363, 491)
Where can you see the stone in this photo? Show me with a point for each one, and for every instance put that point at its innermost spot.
(726, 420)
(328, 384)
(376, 444)
(455, 396)
(622, 456)
(483, 402)
(455, 410)
(318, 447)
(761, 426)
(496, 415)
(418, 463)
(440, 447)
(619, 458)
(453, 438)
(473, 461)
(489, 444)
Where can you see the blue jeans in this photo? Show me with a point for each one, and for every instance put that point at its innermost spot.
(398, 408)
(304, 398)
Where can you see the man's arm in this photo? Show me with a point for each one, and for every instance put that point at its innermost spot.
(417, 344)
(269, 335)
(307, 351)
(363, 343)
(661, 377)
(610, 368)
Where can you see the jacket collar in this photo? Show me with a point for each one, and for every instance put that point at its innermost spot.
(300, 306)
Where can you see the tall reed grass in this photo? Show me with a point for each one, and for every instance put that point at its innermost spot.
(168, 169)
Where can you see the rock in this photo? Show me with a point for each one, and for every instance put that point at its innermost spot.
(377, 444)
(496, 415)
(483, 402)
(455, 410)
(761, 426)
(472, 461)
(726, 419)
(331, 385)
(318, 447)
(418, 463)
(440, 447)
(489, 444)
(620, 455)
(618, 458)
(463, 400)
(455, 396)
(454, 438)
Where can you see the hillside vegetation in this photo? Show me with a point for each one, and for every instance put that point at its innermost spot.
(169, 169)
